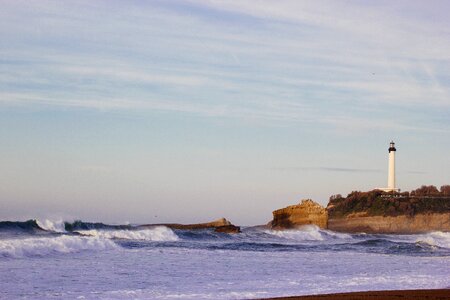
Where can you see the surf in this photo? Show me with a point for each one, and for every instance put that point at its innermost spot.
(159, 234)
(45, 246)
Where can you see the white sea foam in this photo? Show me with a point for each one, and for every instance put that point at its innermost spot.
(308, 233)
(437, 238)
(305, 233)
(152, 294)
(49, 225)
(43, 246)
(157, 234)
(336, 235)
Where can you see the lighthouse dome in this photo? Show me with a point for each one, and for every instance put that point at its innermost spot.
(392, 147)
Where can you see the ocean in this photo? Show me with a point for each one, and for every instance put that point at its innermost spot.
(81, 260)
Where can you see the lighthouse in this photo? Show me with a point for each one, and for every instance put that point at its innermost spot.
(391, 172)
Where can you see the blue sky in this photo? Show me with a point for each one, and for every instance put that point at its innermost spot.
(186, 111)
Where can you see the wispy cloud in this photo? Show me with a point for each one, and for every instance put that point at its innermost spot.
(327, 169)
(132, 75)
(319, 62)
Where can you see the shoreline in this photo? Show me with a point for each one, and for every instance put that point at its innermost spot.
(426, 294)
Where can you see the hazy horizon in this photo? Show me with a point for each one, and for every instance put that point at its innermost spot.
(188, 111)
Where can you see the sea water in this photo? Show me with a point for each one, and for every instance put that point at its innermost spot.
(44, 259)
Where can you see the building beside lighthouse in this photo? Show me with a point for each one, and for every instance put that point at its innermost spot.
(391, 187)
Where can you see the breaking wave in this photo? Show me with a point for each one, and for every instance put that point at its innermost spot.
(45, 237)
(43, 246)
(308, 233)
(437, 238)
(48, 225)
(81, 225)
(157, 234)
(28, 226)
(58, 226)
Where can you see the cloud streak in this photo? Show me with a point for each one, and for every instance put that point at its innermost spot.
(328, 169)
(324, 62)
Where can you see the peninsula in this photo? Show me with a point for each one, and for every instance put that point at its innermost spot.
(422, 210)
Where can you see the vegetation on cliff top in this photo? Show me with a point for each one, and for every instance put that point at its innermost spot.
(426, 199)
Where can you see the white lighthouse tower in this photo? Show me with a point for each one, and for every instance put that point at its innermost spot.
(391, 170)
(391, 174)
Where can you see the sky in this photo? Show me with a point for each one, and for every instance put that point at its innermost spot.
(188, 111)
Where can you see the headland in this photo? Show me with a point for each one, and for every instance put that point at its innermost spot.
(422, 210)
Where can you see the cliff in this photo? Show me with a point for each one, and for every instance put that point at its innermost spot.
(379, 203)
(422, 210)
(402, 224)
(306, 213)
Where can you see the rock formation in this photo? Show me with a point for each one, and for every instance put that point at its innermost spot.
(307, 212)
(214, 224)
(228, 229)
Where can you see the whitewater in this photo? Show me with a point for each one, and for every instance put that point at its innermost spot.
(80, 260)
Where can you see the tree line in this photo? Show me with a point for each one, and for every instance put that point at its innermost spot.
(426, 199)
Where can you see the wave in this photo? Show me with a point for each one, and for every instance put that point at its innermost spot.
(308, 233)
(43, 246)
(157, 234)
(48, 225)
(81, 225)
(59, 241)
(59, 226)
(41, 237)
(436, 238)
(28, 226)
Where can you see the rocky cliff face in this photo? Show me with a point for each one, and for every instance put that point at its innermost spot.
(385, 224)
(306, 213)
(309, 212)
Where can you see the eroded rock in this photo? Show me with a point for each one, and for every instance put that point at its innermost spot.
(214, 224)
(228, 229)
(307, 212)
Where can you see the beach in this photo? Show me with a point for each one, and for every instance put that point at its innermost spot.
(434, 294)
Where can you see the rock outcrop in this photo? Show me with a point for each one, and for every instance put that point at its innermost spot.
(214, 224)
(307, 212)
(228, 229)
(403, 224)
